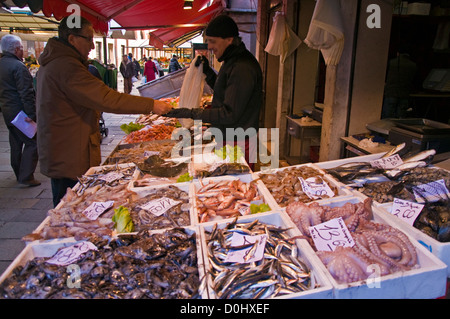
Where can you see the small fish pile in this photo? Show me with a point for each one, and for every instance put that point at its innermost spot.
(225, 198)
(281, 271)
(165, 207)
(135, 266)
(111, 175)
(285, 185)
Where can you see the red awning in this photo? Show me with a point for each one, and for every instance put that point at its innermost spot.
(167, 16)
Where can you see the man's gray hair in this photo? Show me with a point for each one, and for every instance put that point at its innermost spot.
(10, 42)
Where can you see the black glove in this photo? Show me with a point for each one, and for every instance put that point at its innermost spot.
(185, 113)
(201, 59)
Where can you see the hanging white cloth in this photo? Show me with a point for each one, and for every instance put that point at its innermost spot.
(282, 40)
(326, 31)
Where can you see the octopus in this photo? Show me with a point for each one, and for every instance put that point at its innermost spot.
(375, 244)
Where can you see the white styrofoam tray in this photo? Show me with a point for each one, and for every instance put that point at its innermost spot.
(428, 281)
(49, 248)
(341, 190)
(305, 252)
(437, 248)
(246, 178)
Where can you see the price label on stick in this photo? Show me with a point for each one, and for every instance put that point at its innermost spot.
(150, 153)
(160, 206)
(246, 249)
(97, 208)
(316, 188)
(69, 255)
(388, 162)
(111, 177)
(406, 210)
(331, 234)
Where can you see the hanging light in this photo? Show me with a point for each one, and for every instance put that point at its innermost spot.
(188, 4)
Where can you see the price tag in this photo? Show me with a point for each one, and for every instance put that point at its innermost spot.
(111, 177)
(253, 251)
(331, 234)
(159, 206)
(97, 208)
(150, 153)
(406, 210)
(69, 255)
(387, 162)
(314, 189)
(431, 192)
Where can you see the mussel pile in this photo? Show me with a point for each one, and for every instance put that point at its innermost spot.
(133, 266)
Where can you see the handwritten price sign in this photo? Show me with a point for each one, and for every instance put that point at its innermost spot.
(406, 210)
(253, 251)
(97, 208)
(111, 177)
(388, 162)
(331, 234)
(316, 188)
(69, 255)
(160, 206)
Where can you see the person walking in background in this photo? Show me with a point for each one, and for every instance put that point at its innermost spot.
(68, 106)
(137, 68)
(150, 70)
(158, 67)
(173, 64)
(127, 71)
(17, 94)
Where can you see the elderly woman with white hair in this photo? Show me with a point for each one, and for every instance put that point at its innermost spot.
(17, 94)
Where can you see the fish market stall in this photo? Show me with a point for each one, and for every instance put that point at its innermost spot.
(233, 233)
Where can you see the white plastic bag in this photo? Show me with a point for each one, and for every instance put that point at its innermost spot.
(191, 91)
(133, 79)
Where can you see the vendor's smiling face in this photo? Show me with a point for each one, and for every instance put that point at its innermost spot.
(218, 45)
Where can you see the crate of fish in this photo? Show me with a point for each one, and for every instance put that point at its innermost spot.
(428, 224)
(156, 171)
(217, 198)
(258, 257)
(365, 254)
(149, 265)
(88, 208)
(161, 207)
(304, 183)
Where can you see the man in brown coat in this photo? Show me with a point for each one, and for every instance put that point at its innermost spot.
(69, 101)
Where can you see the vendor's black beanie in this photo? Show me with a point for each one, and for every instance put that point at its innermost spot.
(222, 26)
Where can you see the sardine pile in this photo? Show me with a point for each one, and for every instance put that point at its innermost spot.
(280, 272)
(285, 186)
(137, 154)
(225, 198)
(140, 266)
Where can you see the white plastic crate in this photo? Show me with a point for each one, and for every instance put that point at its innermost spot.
(428, 281)
(246, 178)
(49, 248)
(437, 248)
(307, 255)
(341, 190)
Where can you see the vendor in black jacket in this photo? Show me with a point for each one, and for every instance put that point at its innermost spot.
(237, 87)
